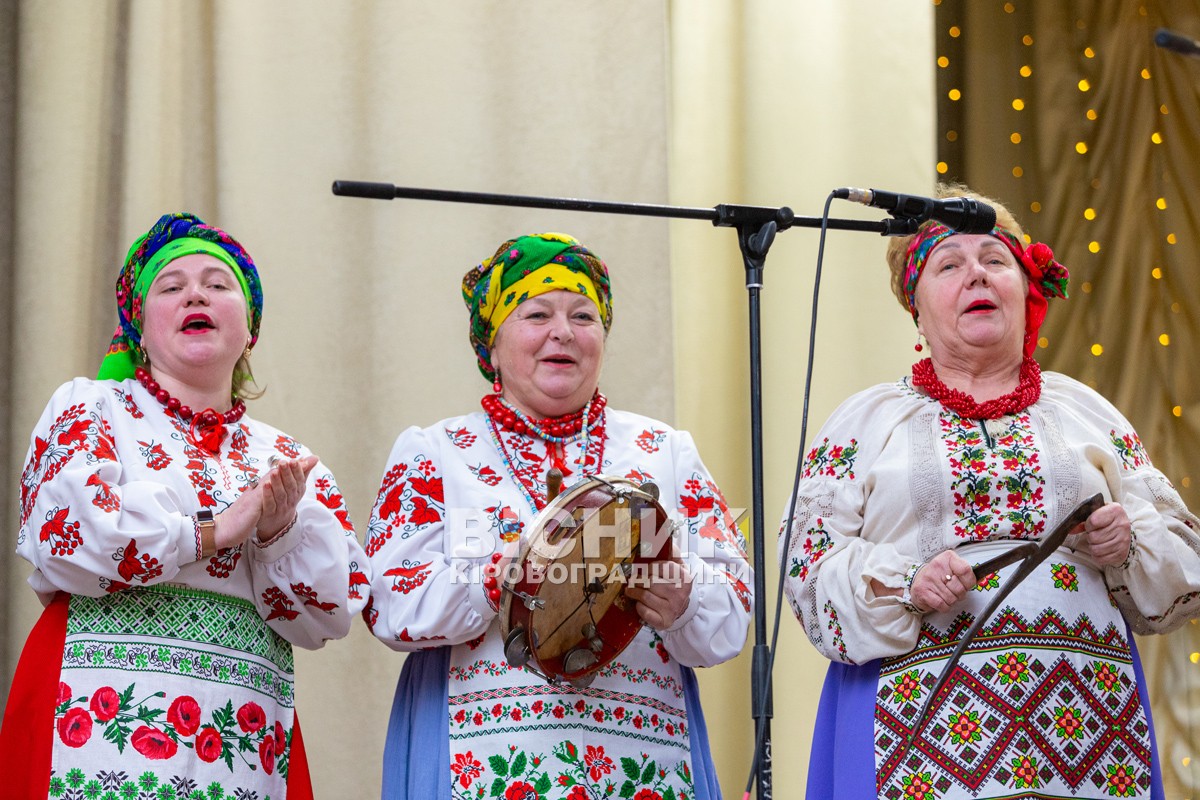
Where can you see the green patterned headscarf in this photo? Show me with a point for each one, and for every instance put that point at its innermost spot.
(526, 267)
(172, 237)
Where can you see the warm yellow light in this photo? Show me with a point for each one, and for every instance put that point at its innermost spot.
(1094, 247)
(1027, 40)
(1089, 52)
(1195, 657)
(1043, 342)
(1145, 74)
(1018, 104)
(1156, 137)
(943, 62)
(1026, 71)
(1176, 308)
(1015, 138)
(1170, 238)
(955, 32)
(1087, 287)
(942, 167)
(1091, 114)
(1187, 481)
(954, 94)
(1035, 207)
(1009, 8)
(1164, 339)
(1187, 760)
(1156, 273)
(1084, 85)
(1177, 410)
(1163, 109)
(951, 136)
(1081, 147)
(1017, 172)
(1161, 203)
(1097, 349)
(1089, 213)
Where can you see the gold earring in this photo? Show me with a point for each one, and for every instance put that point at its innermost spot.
(246, 353)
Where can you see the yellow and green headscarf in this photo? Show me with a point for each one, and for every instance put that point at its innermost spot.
(526, 267)
(173, 236)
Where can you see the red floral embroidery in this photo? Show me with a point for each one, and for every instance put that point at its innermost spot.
(461, 438)
(156, 457)
(208, 744)
(309, 596)
(287, 446)
(105, 703)
(105, 498)
(651, 440)
(132, 567)
(153, 743)
(281, 607)
(60, 532)
(408, 576)
(75, 727)
(184, 715)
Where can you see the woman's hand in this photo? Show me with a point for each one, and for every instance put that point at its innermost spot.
(282, 489)
(662, 596)
(942, 582)
(1108, 534)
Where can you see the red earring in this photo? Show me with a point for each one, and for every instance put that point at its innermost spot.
(918, 346)
(496, 387)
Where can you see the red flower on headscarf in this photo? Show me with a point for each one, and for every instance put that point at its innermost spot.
(184, 715)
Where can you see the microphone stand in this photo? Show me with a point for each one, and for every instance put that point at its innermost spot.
(756, 228)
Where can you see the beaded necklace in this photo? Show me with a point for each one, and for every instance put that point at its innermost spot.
(207, 428)
(1029, 389)
(588, 422)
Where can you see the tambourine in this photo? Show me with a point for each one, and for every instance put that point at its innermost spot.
(563, 610)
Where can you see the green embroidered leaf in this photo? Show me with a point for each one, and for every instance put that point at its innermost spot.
(499, 766)
(542, 785)
(649, 772)
(498, 784)
(127, 697)
(627, 789)
(669, 794)
(518, 765)
(631, 768)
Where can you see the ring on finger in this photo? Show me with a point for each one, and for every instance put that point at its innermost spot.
(949, 578)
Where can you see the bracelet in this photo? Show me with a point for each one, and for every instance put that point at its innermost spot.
(275, 537)
(206, 534)
(906, 597)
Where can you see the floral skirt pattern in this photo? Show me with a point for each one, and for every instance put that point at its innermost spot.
(512, 735)
(168, 693)
(1044, 703)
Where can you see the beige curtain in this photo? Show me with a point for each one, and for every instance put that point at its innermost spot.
(777, 102)
(1090, 134)
(245, 113)
(115, 111)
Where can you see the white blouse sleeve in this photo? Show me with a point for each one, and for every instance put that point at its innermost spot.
(87, 526)
(422, 594)
(311, 581)
(829, 565)
(1158, 586)
(712, 629)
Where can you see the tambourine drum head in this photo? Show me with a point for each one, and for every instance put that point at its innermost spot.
(581, 551)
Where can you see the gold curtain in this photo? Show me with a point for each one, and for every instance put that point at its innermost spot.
(1067, 113)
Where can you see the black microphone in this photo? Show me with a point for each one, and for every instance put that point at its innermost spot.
(1169, 40)
(963, 214)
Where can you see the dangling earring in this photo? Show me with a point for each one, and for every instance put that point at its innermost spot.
(246, 352)
(496, 387)
(918, 346)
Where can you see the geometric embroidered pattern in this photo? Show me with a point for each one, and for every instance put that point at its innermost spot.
(1034, 709)
(76, 785)
(188, 615)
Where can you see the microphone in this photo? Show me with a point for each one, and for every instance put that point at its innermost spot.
(1169, 40)
(962, 214)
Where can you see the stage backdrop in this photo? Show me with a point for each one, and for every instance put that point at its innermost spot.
(1069, 114)
(112, 112)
